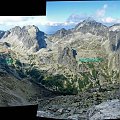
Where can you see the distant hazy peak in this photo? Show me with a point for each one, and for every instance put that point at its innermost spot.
(61, 30)
(60, 33)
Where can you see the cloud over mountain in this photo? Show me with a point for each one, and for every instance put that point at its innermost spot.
(77, 18)
(22, 20)
(101, 12)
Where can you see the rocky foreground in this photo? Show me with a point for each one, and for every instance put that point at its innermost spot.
(90, 105)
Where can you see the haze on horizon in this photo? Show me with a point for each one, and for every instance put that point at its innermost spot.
(66, 14)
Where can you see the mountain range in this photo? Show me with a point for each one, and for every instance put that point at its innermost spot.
(51, 62)
(87, 34)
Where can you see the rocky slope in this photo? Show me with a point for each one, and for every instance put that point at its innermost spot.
(15, 92)
(90, 105)
(105, 110)
(15, 87)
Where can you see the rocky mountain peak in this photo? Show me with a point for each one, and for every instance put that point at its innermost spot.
(17, 29)
(32, 28)
(89, 20)
(91, 26)
(61, 33)
(63, 30)
(28, 37)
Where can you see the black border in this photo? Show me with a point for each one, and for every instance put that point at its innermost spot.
(23, 8)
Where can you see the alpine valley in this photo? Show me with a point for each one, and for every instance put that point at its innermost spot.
(71, 74)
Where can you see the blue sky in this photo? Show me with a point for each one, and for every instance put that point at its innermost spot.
(60, 11)
(67, 14)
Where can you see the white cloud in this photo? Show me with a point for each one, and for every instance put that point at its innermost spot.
(110, 20)
(28, 20)
(76, 18)
(66, 23)
(11, 18)
(101, 12)
(20, 20)
(101, 17)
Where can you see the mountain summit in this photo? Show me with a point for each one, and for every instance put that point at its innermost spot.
(28, 38)
(91, 26)
(89, 19)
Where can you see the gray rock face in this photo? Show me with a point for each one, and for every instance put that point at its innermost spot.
(114, 50)
(28, 37)
(58, 35)
(67, 57)
(114, 38)
(61, 33)
(105, 110)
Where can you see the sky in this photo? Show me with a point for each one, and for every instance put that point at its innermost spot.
(67, 14)
(104, 11)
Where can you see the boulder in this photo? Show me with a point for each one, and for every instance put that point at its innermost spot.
(44, 114)
(106, 110)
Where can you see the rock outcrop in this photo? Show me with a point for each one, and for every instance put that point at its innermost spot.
(67, 57)
(114, 38)
(114, 50)
(44, 114)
